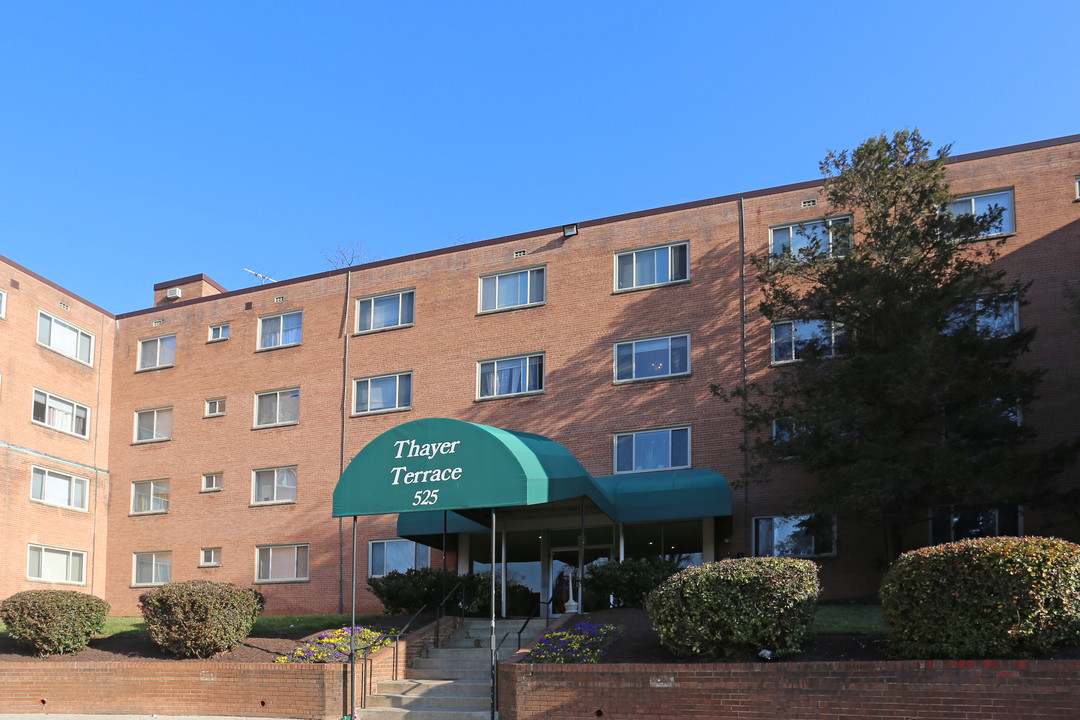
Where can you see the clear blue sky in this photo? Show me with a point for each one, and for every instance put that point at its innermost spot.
(145, 141)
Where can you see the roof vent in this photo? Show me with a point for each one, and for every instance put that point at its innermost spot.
(64, 305)
(809, 203)
(279, 299)
(519, 253)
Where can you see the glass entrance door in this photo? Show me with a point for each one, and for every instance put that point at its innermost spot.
(564, 570)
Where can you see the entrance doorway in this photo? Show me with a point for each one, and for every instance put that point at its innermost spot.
(564, 570)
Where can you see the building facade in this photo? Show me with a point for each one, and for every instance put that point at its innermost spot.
(202, 437)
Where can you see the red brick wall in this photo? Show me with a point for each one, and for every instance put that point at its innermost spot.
(937, 690)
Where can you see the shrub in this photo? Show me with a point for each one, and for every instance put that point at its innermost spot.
(736, 605)
(987, 597)
(407, 592)
(54, 622)
(628, 581)
(198, 618)
(580, 643)
(333, 646)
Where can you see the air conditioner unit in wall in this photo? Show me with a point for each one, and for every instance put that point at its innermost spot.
(173, 293)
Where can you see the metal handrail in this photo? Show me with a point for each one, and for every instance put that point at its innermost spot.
(534, 613)
(363, 671)
(441, 608)
(397, 638)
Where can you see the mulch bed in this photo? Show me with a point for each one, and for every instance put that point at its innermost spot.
(637, 643)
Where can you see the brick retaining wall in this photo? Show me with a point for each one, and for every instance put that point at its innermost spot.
(937, 690)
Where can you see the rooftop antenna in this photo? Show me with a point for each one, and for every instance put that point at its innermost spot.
(262, 278)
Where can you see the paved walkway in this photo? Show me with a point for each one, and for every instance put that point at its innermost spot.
(61, 716)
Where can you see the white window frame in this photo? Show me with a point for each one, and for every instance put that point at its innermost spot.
(277, 395)
(68, 564)
(80, 336)
(405, 317)
(792, 521)
(157, 363)
(635, 376)
(669, 265)
(279, 473)
(268, 341)
(213, 482)
(1008, 217)
(218, 333)
(157, 498)
(268, 567)
(50, 400)
(3, 304)
(492, 281)
(210, 557)
(402, 385)
(72, 480)
(157, 416)
(836, 333)
(215, 407)
(982, 311)
(531, 385)
(807, 231)
(417, 551)
(159, 560)
(634, 435)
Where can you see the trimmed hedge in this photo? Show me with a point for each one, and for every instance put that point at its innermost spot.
(735, 606)
(628, 581)
(54, 622)
(983, 598)
(198, 618)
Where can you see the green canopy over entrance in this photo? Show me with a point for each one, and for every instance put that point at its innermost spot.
(444, 464)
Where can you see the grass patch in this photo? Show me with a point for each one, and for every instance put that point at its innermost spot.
(844, 619)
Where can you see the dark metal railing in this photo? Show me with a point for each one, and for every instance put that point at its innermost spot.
(440, 610)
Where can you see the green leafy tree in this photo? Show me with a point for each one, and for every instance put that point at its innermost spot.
(905, 392)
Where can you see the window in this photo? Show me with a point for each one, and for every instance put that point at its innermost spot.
(211, 557)
(991, 317)
(658, 357)
(280, 407)
(49, 564)
(510, 290)
(979, 204)
(384, 311)
(827, 235)
(512, 376)
(215, 407)
(787, 535)
(212, 482)
(61, 414)
(3, 304)
(652, 266)
(794, 339)
(282, 563)
(157, 353)
(960, 522)
(153, 425)
(56, 488)
(153, 568)
(150, 496)
(280, 330)
(652, 450)
(386, 556)
(389, 392)
(274, 485)
(65, 338)
(219, 332)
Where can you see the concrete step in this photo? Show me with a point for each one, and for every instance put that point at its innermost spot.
(465, 652)
(424, 702)
(436, 688)
(436, 662)
(475, 676)
(407, 714)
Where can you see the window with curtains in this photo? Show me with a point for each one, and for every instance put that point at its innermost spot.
(281, 330)
(274, 485)
(282, 563)
(652, 358)
(665, 449)
(60, 414)
(384, 311)
(153, 568)
(153, 425)
(277, 407)
(157, 353)
(383, 393)
(511, 376)
(150, 496)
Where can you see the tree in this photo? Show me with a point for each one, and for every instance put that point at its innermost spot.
(904, 392)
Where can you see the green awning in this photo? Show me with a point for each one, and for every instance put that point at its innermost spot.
(667, 495)
(444, 464)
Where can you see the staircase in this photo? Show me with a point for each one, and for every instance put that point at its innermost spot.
(452, 682)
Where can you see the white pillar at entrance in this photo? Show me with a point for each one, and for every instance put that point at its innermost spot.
(622, 542)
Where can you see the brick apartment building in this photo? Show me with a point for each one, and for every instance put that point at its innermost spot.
(202, 437)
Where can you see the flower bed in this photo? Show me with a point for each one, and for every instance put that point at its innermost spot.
(581, 643)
